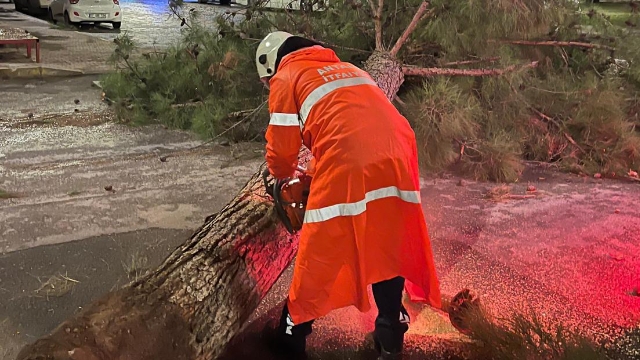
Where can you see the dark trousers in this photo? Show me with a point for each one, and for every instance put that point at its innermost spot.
(391, 324)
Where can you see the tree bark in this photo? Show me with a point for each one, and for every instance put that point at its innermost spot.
(425, 72)
(410, 28)
(376, 14)
(386, 71)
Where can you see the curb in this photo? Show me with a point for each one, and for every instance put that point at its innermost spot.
(36, 71)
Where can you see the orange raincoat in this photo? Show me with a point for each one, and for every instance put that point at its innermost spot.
(364, 222)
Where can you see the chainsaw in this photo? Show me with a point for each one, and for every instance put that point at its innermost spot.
(289, 198)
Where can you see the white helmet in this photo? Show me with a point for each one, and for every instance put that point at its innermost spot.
(267, 52)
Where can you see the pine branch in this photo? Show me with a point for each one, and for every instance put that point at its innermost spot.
(174, 11)
(555, 43)
(377, 21)
(323, 43)
(426, 72)
(329, 45)
(412, 26)
(469, 62)
(247, 116)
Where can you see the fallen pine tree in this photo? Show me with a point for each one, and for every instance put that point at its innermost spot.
(200, 297)
(485, 84)
(193, 304)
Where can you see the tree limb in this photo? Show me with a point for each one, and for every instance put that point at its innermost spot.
(469, 62)
(377, 21)
(425, 72)
(557, 124)
(555, 43)
(412, 26)
(247, 116)
(329, 45)
(521, 197)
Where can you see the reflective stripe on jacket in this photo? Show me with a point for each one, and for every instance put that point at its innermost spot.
(364, 221)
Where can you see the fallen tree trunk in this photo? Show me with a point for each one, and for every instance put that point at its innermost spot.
(204, 292)
(192, 304)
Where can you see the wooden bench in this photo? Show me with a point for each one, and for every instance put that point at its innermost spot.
(19, 37)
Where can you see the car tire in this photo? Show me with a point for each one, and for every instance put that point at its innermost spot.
(116, 25)
(51, 18)
(67, 20)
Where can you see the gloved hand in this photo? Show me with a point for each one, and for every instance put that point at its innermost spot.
(310, 167)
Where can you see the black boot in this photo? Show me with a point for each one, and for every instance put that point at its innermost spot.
(383, 354)
(278, 345)
(392, 321)
(286, 340)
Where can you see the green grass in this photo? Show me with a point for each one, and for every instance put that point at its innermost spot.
(618, 13)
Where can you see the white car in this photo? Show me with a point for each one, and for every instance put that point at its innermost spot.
(75, 12)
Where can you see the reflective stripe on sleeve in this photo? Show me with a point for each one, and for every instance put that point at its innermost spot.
(323, 90)
(282, 119)
(356, 208)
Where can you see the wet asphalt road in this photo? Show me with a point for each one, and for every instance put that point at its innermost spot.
(150, 23)
(54, 96)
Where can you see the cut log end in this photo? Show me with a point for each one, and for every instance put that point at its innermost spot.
(386, 71)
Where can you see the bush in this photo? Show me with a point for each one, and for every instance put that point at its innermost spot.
(442, 116)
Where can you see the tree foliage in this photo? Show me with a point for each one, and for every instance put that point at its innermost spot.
(576, 104)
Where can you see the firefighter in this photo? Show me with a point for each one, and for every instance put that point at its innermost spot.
(363, 223)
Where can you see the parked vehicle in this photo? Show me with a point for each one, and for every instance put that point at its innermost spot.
(76, 12)
(35, 7)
